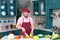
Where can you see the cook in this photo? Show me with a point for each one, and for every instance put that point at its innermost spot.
(25, 23)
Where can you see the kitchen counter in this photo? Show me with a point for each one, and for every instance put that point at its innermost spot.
(36, 32)
(6, 38)
(44, 37)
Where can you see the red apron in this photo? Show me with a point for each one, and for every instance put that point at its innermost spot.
(27, 27)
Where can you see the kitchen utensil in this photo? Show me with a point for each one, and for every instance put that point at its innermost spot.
(11, 26)
(2, 7)
(26, 34)
(3, 13)
(7, 27)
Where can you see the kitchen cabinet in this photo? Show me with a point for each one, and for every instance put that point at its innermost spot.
(57, 1)
(39, 8)
(52, 2)
(50, 5)
(36, 8)
(49, 2)
(8, 8)
(12, 7)
(15, 32)
(36, 32)
(3, 8)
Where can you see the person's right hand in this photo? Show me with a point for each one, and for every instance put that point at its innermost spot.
(23, 30)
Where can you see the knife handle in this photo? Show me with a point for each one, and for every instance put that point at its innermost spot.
(26, 34)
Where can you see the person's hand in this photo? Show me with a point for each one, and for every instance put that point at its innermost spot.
(31, 32)
(23, 30)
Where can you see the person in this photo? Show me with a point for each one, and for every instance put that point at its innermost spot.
(25, 23)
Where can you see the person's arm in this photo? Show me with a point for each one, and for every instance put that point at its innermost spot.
(32, 26)
(18, 25)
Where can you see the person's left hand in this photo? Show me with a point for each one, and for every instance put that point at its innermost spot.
(31, 32)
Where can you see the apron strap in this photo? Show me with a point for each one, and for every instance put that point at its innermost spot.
(29, 19)
(23, 20)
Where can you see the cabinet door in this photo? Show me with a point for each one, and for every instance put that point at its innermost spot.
(53, 4)
(0, 7)
(35, 5)
(12, 7)
(3, 8)
(50, 2)
(36, 8)
(57, 2)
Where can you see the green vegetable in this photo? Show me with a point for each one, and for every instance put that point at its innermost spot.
(48, 36)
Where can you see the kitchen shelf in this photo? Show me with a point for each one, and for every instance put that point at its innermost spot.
(6, 7)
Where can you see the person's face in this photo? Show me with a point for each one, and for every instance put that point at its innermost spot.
(26, 14)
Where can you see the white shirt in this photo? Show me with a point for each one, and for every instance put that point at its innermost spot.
(20, 20)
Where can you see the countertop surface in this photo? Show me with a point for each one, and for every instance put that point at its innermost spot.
(6, 38)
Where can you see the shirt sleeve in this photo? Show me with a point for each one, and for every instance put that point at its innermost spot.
(19, 21)
(31, 20)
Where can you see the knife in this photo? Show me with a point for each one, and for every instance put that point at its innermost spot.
(26, 34)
